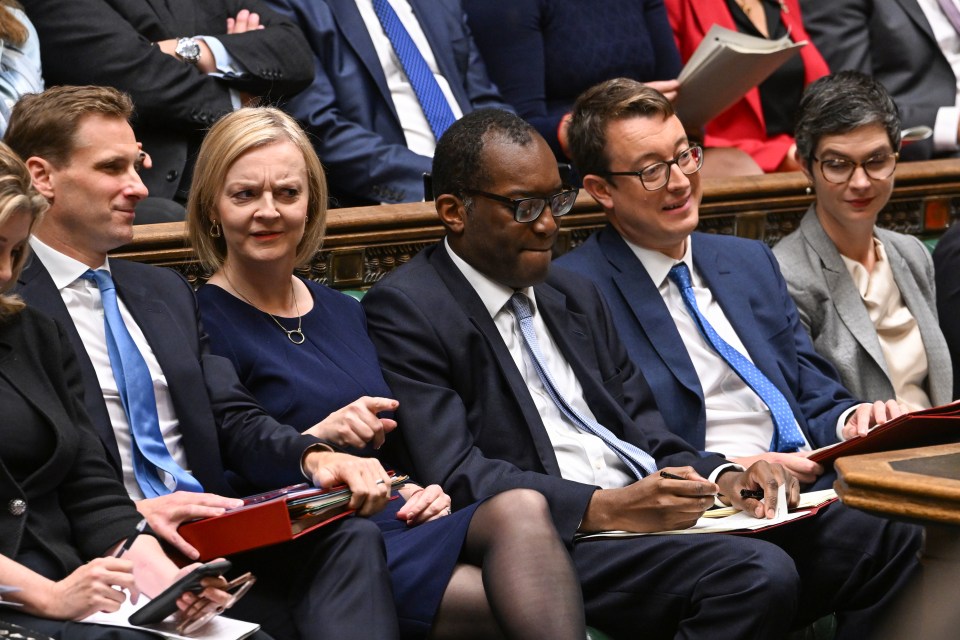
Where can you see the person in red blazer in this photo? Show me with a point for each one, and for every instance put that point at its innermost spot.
(743, 125)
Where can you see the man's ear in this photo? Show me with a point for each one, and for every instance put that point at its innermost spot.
(452, 212)
(41, 172)
(599, 189)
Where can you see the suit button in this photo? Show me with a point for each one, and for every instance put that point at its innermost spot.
(17, 507)
(172, 175)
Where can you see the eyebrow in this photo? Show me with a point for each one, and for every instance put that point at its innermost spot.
(684, 141)
(883, 148)
(111, 160)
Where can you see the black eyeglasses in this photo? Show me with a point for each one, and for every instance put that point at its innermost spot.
(840, 170)
(529, 209)
(656, 176)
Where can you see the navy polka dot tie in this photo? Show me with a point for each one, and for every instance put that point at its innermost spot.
(431, 98)
(787, 436)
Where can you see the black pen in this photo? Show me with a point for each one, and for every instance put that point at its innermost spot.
(130, 539)
(671, 476)
(756, 494)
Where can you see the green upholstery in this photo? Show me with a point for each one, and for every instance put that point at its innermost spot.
(354, 293)
(593, 634)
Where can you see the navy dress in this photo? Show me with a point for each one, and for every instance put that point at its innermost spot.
(542, 54)
(302, 384)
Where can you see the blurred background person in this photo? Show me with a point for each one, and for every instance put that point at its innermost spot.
(20, 70)
(542, 54)
(762, 122)
(865, 294)
(911, 46)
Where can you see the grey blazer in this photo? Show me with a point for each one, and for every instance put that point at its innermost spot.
(832, 311)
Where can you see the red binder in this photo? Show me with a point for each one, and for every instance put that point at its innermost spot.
(270, 518)
(938, 425)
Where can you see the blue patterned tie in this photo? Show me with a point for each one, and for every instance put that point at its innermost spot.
(786, 436)
(135, 386)
(640, 462)
(431, 98)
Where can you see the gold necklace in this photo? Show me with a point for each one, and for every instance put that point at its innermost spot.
(295, 336)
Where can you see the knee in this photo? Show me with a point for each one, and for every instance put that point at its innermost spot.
(530, 503)
(773, 573)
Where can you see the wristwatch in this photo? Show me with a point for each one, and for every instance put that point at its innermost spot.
(188, 50)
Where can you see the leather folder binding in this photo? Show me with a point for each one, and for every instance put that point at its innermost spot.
(271, 518)
(938, 425)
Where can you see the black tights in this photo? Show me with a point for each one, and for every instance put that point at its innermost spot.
(515, 579)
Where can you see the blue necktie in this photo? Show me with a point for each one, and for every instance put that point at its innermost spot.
(786, 436)
(431, 98)
(139, 402)
(640, 462)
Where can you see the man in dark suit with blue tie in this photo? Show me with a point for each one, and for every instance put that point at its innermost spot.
(372, 126)
(173, 437)
(510, 374)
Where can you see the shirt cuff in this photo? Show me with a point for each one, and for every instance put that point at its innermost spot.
(842, 420)
(945, 129)
(317, 446)
(227, 66)
(715, 474)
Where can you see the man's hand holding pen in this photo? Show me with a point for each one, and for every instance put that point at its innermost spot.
(755, 490)
(674, 498)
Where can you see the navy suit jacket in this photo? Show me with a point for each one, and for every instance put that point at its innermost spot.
(892, 41)
(467, 420)
(745, 280)
(348, 109)
(221, 424)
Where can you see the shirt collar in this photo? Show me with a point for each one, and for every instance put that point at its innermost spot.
(63, 269)
(657, 264)
(493, 294)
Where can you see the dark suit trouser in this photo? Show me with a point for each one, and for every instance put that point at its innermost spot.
(331, 583)
(760, 586)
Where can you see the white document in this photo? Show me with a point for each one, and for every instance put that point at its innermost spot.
(724, 67)
(219, 628)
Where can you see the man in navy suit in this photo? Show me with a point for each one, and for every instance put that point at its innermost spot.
(367, 126)
(625, 133)
(478, 414)
(83, 157)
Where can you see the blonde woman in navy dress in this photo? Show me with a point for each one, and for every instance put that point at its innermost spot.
(256, 212)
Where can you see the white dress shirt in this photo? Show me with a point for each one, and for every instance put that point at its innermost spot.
(945, 128)
(581, 456)
(738, 422)
(416, 129)
(82, 299)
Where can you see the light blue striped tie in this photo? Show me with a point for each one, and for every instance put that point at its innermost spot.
(135, 386)
(786, 435)
(640, 462)
(432, 101)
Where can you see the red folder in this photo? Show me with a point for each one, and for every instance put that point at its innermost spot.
(938, 425)
(270, 518)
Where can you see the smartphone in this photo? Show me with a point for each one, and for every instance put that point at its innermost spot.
(166, 603)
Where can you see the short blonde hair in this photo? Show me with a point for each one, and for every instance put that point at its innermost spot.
(232, 136)
(16, 195)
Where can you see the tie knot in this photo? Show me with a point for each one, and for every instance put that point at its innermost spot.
(680, 274)
(521, 306)
(101, 277)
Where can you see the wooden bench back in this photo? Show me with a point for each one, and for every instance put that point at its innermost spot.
(363, 244)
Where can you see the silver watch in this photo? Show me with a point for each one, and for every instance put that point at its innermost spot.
(188, 50)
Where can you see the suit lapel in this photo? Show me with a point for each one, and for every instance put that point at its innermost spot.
(912, 9)
(470, 302)
(647, 306)
(845, 297)
(38, 288)
(354, 30)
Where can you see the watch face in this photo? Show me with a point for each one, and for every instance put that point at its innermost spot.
(188, 49)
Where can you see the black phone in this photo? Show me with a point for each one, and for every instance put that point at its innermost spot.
(166, 603)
